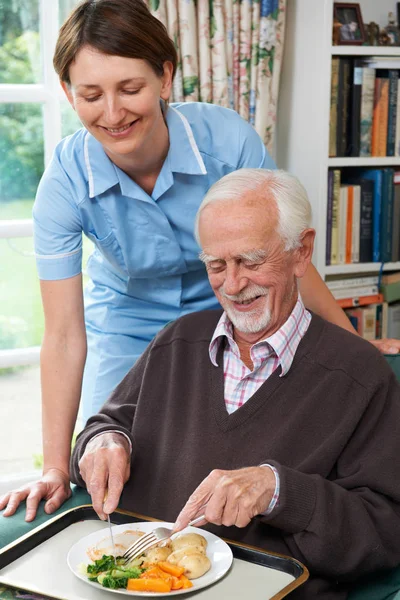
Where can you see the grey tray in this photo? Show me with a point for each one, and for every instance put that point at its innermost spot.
(36, 562)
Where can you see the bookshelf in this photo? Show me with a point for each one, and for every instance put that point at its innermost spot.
(304, 110)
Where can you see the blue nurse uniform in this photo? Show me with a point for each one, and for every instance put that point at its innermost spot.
(145, 270)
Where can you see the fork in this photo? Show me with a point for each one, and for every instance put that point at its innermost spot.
(151, 539)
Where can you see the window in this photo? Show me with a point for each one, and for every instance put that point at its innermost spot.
(33, 118)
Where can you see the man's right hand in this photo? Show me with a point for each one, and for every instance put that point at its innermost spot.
(105, 467)
(52, 487)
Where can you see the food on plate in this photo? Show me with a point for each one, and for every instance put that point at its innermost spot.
(157, 554)
(195, 564)
(188, 539)
(122, 541)
(160, 569)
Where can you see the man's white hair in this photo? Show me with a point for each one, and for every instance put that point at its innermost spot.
(294, 209)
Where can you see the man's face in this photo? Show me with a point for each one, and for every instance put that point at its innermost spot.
(252, 276)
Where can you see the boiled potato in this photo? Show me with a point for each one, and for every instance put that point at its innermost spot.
(188, 539)
(176, 556)
(195, 564)
(157, 554)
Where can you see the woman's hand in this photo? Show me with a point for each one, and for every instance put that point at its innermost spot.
(53, 487)
(387, 345)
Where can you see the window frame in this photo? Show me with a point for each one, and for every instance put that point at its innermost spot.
(49, 94)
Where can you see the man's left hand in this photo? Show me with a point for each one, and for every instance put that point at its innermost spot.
(387, 345)
(230, 497)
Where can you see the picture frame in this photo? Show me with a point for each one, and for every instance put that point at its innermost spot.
(348, 26)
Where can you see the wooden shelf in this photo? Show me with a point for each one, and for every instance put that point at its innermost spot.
(364, 161)
(360, 268)
(365, 51)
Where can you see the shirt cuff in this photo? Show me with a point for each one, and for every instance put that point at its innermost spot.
(120, 433)
(275, 496)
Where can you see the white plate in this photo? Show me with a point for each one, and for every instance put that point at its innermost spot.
(218, 552)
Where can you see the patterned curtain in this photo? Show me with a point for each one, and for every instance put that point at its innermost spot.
(230, 53)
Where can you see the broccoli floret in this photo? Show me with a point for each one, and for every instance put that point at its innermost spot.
(114, 583)
(106, 563)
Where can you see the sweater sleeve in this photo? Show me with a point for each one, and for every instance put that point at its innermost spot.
(117, 414)
(348, 524)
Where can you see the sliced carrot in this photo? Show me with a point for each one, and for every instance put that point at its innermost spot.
(174, 570)
(148, 585)
(177, 583)
(156, 573)
(186, 582)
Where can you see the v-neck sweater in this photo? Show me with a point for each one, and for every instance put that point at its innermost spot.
(329, 426)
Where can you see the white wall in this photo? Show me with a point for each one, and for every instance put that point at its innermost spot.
(377, 10)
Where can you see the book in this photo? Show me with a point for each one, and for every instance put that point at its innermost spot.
(381, 321)
(397, 141)
(349, 224)
(328, 245)
(396, 218)
(350, 282)
(355, 237)
(391, 291)
(343, 103)
(355, 109)
(386, 215)
(333, 105)
(367, 108)
(355, 292)
(342, 224)
(366, 208)
(335, 218)
(366, 321)
(360, 301)
(393, 321)
(391, 277)
(375, 175)
(393, 76)
(380, 116)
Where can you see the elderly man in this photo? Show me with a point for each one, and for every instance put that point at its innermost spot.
(278, 426)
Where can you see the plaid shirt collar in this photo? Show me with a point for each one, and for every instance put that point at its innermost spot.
(283, 343)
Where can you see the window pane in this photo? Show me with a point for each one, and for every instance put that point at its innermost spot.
(20, 57)
(21, 153)
(20, 442)
(21, 315)
(69, 121)
(65, 7)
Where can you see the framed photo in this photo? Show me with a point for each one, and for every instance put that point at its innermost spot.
(348, 27)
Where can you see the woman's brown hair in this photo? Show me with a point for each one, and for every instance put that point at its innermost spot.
(115, 27)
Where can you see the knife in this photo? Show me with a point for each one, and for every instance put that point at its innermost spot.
(110, 529)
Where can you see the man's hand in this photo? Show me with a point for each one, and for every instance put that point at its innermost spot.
(230, 497)
(387, 345)
(53, 487)
(105, 466)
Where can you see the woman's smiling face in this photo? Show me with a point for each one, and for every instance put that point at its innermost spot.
(117, 100)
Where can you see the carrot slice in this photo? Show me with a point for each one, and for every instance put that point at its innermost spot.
(186, 582)
(177, 583)
(148, 585)
(156, 573)
(170, 568)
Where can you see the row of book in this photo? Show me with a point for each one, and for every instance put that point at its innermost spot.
(363, 216)
(372, 303)
(364, 106)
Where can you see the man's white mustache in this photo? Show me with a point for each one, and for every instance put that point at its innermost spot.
(247, 294)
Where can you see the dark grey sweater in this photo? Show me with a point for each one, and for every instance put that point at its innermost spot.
(330, 427)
